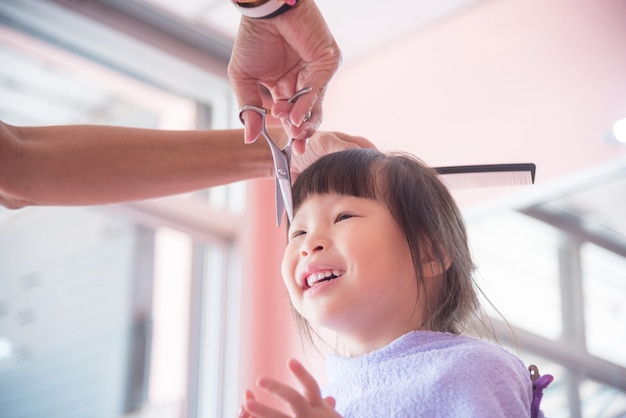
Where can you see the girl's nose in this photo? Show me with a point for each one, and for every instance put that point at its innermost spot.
(313, 246)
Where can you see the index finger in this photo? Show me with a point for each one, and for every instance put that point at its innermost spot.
(312, 391)
(305, 109)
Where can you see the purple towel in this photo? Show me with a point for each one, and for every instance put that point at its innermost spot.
(431, 374)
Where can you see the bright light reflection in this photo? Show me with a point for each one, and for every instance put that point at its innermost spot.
(619, 130)
(6, 348)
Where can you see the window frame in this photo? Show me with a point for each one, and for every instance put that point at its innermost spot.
(149, 46)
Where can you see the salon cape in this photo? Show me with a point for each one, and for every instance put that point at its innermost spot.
(431, 374)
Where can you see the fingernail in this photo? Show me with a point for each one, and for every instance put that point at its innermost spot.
(247, 140)
(295, 122)
(299, 124)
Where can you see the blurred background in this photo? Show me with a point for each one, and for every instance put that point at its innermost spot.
(172, 307)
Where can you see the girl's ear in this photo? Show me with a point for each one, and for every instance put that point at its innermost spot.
(434, 263)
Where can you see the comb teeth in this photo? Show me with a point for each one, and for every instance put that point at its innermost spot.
(489, 175)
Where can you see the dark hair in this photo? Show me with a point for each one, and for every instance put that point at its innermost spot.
(423, 208)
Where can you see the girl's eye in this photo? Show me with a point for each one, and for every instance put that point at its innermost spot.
(296, 233)
(344, 216)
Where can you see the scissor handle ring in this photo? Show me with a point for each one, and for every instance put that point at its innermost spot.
(258, 109)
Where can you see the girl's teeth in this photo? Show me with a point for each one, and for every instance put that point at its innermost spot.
(319, 276)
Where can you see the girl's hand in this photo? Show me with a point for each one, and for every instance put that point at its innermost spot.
(242, 411)
(309, 404)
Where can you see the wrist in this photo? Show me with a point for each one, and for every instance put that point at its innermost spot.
(264, 9)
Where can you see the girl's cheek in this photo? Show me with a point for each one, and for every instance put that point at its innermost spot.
(287, 267)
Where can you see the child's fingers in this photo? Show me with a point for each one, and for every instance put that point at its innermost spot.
(259, 410)
(312, 390)
(295, 400)
(248, 395)
(302, 405)
(243, 413)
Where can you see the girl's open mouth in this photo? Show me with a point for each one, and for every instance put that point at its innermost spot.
(321, 276)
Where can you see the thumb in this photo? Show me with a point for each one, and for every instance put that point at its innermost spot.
(252, 125)
(247, 93)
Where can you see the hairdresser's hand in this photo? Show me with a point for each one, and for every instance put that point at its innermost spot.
(285, 54)
(309, 404)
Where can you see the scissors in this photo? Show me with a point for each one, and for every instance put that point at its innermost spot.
(282, 159)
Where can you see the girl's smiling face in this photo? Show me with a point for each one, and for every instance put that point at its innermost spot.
(348, 268)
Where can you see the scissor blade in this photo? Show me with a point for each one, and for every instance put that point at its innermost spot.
(287, 198)
(283, 182)
(280, 202)
(284, 199)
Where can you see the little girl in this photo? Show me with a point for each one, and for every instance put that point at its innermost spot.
(378, 254)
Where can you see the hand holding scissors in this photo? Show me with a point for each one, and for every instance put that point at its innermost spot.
(282, 160)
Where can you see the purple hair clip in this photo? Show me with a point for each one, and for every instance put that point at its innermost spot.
(539, 384)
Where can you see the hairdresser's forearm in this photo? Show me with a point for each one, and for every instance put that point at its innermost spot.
(87, 165)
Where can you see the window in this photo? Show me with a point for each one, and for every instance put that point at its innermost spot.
(554, 264)
(123, 309)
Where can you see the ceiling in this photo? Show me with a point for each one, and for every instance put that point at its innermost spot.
(356, 24)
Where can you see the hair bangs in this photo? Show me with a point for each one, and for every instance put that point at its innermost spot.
(346, 173)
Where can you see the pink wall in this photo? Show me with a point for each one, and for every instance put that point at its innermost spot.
(268, 330)
(505, 81)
